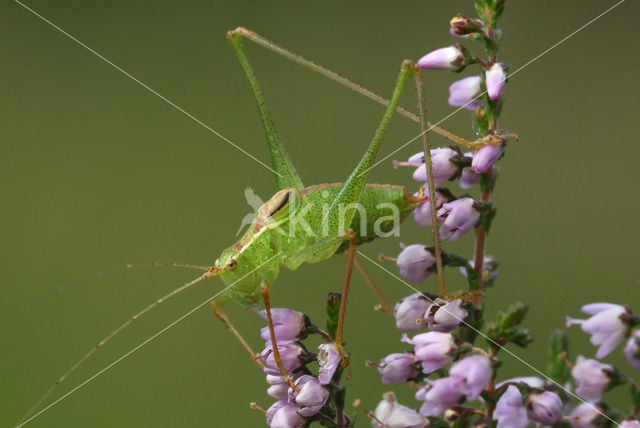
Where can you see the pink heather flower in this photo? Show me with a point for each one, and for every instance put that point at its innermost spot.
(458, 218)
(284, 415)
(292, 355)
(441, 161)
(468, 179)
(287, 324)
(632, 350)
(309, 395)
(422, 214)
(438, 396)
(629, 424)
(591, 378)
(489, 269)
(409, 310)
(278, 389)
(416, 262)
(328, 360)
(585, 415)
(394, 415)
(463, 93)
(449, 58)
(532, 381)
(607, 326)
(485, 157)
(434, 349)
(396, 368)
(461, 25)
(544, 408)
(509, 411)
(445, 315)
(474, 373)
(496, 76)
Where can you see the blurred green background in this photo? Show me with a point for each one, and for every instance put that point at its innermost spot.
(96, 171)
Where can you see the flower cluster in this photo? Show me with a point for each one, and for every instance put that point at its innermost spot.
(308, 397)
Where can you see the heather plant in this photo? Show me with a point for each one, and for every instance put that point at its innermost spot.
(449, 350)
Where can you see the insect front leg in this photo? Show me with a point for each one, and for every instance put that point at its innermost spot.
(215, 305)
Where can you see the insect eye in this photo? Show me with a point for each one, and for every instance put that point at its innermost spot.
(232, 264)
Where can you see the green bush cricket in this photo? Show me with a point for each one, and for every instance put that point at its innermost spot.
(331, 217)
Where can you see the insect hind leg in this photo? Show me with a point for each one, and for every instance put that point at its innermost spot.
(224, 319)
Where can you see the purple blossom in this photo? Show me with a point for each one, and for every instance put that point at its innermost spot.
(606, 326)
(461, 25)
(591, 378)
(441, 161)
(509, 411)
(396, 368)
(422, 214)
(416, 262)
(278, 389)
(394, 415)
(632, 350)
(287, 324)
(463, 93)
(292, 355)
(445, 315)
(458, 218)
(544, 407)
(409, 310)
(309, 395)
(468, 179)
(489, 270)
(449, 58)
(585, 415)
(474, 373)
(496, 76)
(434, 349)
(328, 360)
(439, 395)
(629, 424)
(485, 157)
(284, 415)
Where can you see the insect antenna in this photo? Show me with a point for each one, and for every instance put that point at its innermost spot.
(33, 304)
(208, 274)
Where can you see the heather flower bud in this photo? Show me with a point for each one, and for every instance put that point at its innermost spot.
(416, 262)
(449, 58)
(463, 93)
(443, 162)
(422, 214)
(591, 378)
(607, 325)
(544, 407)
(292, 355)
(468, 179)
(489, 270)
(287, 324)
(461, 25)
(586, 415)
(278, 389)
(629, 424)
(328, 360)
(509, 411)
(458, 218)
(438, 396)
(396, 368)
(632, 350)
(409, 310)
(445, 315)
(284, 415)
(474, 373)
(434, 349)
(485, 157)
(394, 415)
(495, 78)
(309, 395)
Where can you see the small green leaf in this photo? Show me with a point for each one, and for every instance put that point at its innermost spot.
(558, 345)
